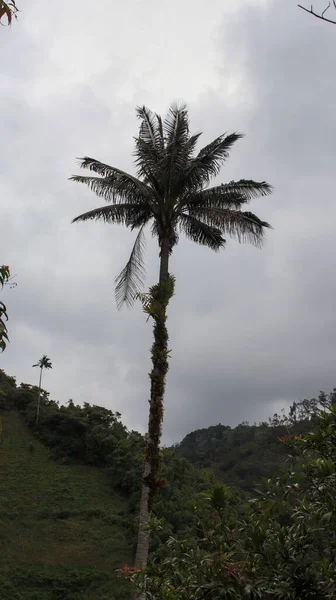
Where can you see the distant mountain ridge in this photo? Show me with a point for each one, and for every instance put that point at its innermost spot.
(243, 455)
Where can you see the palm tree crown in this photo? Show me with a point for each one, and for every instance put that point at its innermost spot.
(171, 191)
(44, 363)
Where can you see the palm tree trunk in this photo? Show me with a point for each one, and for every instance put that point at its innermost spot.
(38, 399)
(164, 260)
(158, 377)
(144, 516)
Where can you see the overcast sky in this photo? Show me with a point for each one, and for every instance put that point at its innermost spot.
(250, 330)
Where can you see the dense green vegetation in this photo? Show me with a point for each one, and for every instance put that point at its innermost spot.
(70, 491)
(69, 496)
(283, 546)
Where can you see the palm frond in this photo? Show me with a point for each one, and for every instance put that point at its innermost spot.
(209, 160)
(117, 189)
(96, 165)
(191, 143)
(114, 184)
(160, 136)
(151, 128)
(227, 195)
(176, 132)
(124, 214)
(218, 149)
(176, 125)
(149, 147)
(248, 188)
(131, 278)
(140, 217)
(148, 164)
(200, 232)
(183, 156)
(243, 226)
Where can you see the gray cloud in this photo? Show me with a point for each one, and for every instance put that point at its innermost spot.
(250, 330)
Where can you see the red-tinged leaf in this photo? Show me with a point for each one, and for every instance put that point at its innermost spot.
(9, 10)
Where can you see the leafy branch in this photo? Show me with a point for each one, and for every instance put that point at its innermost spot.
(9, 10)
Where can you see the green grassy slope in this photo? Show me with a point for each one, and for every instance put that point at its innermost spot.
(62, 528)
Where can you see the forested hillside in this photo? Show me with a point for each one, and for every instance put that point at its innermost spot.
(69, 493)
(281, 545)
(70, 489)
(242, 455)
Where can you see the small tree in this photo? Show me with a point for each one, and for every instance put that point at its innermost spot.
(43, 363)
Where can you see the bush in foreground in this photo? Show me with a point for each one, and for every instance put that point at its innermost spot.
(283, 547)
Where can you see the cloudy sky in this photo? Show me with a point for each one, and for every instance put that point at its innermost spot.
(250, 330)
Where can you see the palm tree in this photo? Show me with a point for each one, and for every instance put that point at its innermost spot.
(171, 191)
(43, 363)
